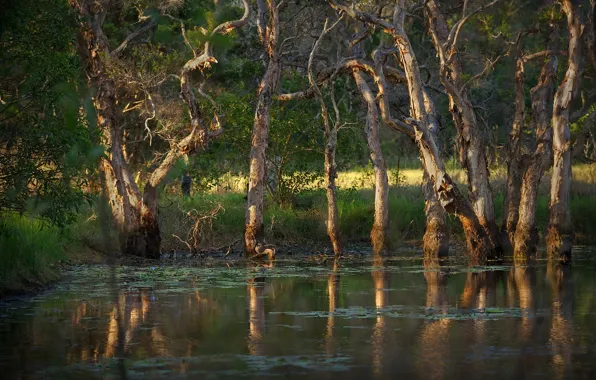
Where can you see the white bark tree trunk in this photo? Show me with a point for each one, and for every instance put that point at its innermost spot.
(380, 227)
(254, 228)
(560, 230)
(471, 143)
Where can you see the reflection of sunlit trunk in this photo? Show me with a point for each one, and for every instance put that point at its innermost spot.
(561, 332)
(112, 334)
(523, 278)
(381, 284)
(479, 293)
(159, 342)
(433, 337)
(256, 316)
(332, 291)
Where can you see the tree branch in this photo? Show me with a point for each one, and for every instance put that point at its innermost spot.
(116, 52)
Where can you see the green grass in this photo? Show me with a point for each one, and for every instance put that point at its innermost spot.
(303, 221)
(29, 252)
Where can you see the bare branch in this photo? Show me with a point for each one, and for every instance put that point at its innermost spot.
(116, 52)
(183, 32)
(451, 43)
(487, 68)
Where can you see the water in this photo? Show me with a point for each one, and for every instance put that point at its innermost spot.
(367, 320)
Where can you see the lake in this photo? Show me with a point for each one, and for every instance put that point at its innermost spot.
(369, 318)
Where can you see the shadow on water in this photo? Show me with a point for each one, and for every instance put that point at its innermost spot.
(382, 318)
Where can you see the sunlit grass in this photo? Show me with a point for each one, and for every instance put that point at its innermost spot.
(584, 177)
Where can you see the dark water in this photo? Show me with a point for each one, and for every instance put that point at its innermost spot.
(396, 318)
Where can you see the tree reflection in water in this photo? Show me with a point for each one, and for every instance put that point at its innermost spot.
(332, 294)
(382, 283)
(561, 329)
(439, 323)
(433, 339)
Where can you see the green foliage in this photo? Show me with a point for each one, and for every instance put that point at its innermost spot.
(44, 143)
(29, 251)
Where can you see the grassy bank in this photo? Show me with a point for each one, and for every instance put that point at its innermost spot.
(303, 222)
(29, 253)
(215, 220)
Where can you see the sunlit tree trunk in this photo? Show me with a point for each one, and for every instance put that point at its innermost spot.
(254, 228)
(526, 236)
(471, 145)
(560, 230)
(478, 242)
(435, 242)
(380, 227)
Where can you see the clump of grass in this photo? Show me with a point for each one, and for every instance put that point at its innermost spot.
(29, 251)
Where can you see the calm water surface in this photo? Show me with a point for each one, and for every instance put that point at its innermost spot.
(377, 319)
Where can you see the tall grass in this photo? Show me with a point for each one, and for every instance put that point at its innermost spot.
(303, 221)
(29, 251)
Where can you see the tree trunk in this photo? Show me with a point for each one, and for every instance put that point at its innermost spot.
(380, 227)
(254, 229)
(330, 148)
(471, 145)
(122, 191)
(514, 163)
(479, 245)
(526, 235)
(435, 242)
(560, 230)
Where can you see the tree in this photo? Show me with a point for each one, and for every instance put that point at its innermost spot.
(560, 230)
(479, 244)
(135, 213)
(45, 146)
(268, 30)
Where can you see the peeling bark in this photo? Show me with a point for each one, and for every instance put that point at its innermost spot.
(135, 214)
(435, 242)
(451, 199)
(123, 193)
(560, 230)
(380, 227)
(254, 229)
(526, 236)
(470, 141)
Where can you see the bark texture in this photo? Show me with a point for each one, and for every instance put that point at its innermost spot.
(471, 145)
(135, 213)
(451, 199)
(380, 227)
(560, 230)
(435, 242)
(514, 163)
(254, 229)
(526, 236)
(136, 234)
